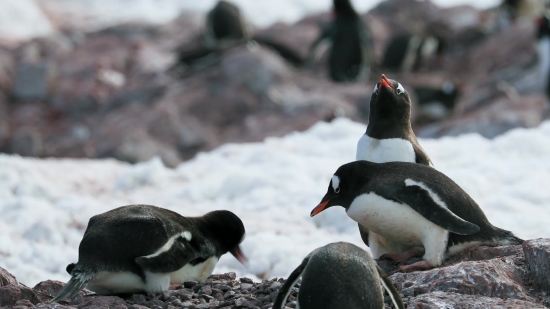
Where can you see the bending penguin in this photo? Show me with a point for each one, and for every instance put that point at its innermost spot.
(143, 248)
(351, 45)
(412, 208)
(389, 137)
(326, 284)
(225, 28)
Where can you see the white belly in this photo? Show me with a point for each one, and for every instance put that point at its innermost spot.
(127, 282)
(543, 47)
(385, 150)
(198, 272)
(400, 227)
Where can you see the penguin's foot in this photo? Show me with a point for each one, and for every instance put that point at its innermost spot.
(398, 258)
(421, 265)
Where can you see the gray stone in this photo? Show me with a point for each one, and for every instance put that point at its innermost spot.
(445, 300)
(537, 255)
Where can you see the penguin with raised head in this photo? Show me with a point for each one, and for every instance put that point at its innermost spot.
(389, 137)
(411, 207)
(326, 282)
(351, 44)
(143, 248)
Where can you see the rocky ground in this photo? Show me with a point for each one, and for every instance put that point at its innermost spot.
(484, 277)
(117, 93)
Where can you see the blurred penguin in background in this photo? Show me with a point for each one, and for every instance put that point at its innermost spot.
(411, 52)
(225, 28)
(350, 57)
(512, 10)
(436, 103)
(543, 46)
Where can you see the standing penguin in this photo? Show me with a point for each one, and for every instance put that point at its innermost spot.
(225, 25)
(350, 54)
(143, 248)
(412, 208)
(326, 283)
(389, 137)
(543, 46)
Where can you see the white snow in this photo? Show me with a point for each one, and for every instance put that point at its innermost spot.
(45, 204)
(23, 19)
(93, 14)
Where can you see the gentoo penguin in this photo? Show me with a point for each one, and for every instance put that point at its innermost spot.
(326, 280)
(350, 54)
(436, 103)
(412, 207)
(389, 136)
(408, 53)
(143, 248)
(225, 25)
(543, 46)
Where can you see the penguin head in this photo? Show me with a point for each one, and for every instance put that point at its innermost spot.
(344, 186)
(390, 103)
(343, 8)
(227, 230)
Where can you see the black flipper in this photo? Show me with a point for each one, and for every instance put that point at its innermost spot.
(179, 254)
(420, 200)
(364, 232)
(284, 291)
(390, 288)
(77, 282)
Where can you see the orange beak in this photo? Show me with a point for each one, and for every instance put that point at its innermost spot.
(238, 254)
(385, 82)
(319, 208)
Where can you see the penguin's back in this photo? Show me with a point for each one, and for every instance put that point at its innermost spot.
(327, 281)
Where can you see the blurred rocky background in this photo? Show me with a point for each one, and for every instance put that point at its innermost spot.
(125, 90)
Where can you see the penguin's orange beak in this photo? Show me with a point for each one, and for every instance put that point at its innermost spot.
(385, 82)
(239, 255)
(319, 208)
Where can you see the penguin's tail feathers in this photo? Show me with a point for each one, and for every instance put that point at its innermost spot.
(505, 238)
(78, 281)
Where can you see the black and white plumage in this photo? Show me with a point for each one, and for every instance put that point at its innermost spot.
(351, 44)
(436, 103)
(543, 47)
(389, 137)
(327, 282)
(143, 248)
(411, 206)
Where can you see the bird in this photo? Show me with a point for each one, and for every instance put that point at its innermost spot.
(388, 137)
(327, 280)
(144, 248)
(412, 208)
(351, 44)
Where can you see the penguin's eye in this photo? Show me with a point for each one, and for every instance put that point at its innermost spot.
(376, 88)
(336, 184)
(400, 90)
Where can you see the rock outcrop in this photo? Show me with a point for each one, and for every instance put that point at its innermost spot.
(480, 278)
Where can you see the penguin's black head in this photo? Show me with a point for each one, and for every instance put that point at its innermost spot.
(390, 109)
(344, 186)
(343, 8)
(227, 230)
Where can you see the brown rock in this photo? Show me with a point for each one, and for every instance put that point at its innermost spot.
(537, 255)
(494, 278)
(102, 302)
(9, 295)
(444, 300)
(6, 278)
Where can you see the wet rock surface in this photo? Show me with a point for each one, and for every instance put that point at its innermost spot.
(483, 277)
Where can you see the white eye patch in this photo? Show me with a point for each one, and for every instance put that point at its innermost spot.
(336, 183)
(400, 89)
(376, 88)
